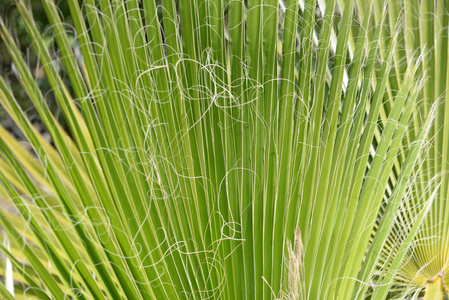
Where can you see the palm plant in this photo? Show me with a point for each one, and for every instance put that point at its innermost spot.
(425, 30)
(227, 149)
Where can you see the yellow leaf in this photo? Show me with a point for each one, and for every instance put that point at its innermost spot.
(435, 289)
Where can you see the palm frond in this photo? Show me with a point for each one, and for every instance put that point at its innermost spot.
(198, 138)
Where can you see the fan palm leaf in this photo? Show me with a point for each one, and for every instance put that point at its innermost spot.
(218, 149)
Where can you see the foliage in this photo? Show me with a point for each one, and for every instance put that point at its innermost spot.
(229, 149)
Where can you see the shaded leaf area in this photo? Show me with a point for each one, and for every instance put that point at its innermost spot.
(9, 11)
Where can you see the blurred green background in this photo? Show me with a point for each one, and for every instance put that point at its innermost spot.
(10, 16)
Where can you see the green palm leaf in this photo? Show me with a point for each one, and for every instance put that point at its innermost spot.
(222, 149)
